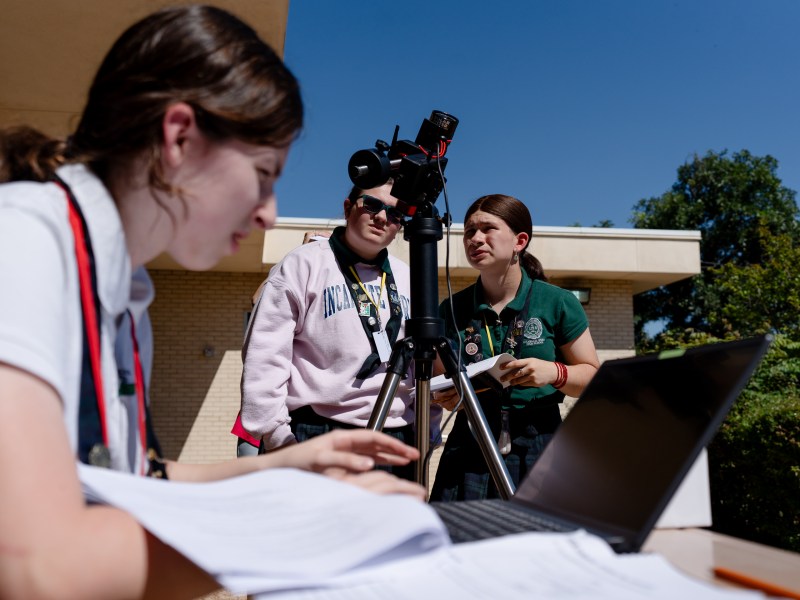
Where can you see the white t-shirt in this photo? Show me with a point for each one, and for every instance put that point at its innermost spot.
(40, 313)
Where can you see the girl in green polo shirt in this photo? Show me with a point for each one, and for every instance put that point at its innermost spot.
(510, 308)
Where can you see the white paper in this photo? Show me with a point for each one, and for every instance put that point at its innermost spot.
(289, 534)
(276, 529)
(529, 566)
(492, 365)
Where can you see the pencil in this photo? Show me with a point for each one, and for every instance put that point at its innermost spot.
(758, 584)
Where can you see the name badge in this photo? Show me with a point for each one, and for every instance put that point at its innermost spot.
(382, 345)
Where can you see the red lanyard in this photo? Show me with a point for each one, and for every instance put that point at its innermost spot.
(138, 377)
(93, 332)
(89, 312)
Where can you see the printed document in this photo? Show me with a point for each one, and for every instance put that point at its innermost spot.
(275, 529)
(286, 534)
(530, 566)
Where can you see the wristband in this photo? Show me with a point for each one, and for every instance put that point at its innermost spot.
(158, 467)
(561, 380)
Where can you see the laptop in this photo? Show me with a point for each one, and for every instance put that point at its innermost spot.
(617, 459)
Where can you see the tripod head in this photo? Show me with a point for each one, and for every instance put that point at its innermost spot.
(417, 167)
(418, 171)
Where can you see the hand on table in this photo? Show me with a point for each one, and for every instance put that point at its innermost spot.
(350, 455)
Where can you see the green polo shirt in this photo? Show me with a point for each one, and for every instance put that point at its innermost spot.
(554, 318)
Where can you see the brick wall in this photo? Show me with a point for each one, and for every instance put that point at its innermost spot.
(198, 322)
(198, 326)
(610, 312)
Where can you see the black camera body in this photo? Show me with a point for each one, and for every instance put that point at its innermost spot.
(417, 167)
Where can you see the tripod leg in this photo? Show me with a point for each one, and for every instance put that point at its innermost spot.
(395, 370)
(480, 428)
(423, 424)
(384, 401)
(402, 354)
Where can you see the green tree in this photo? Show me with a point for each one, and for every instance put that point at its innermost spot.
(759, 298)
(749, 284)
(754, 460)
(738, 203)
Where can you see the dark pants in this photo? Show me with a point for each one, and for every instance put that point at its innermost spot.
(307, 424)
(463, 473)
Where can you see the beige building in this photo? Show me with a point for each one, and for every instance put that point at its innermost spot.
(199, 318)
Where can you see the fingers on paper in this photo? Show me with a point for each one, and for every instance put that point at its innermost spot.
(376, 445)
(381, 482)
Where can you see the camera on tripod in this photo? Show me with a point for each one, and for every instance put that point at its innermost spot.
(416, 166)
(418, 171)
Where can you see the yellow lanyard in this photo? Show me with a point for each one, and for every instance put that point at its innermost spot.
(383, 283)
(488, 335)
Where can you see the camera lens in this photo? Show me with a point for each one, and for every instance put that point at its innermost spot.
(447, 123)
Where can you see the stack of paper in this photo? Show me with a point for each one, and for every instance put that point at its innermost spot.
(484, 374)
(276, 529)
(288, 534)
(531, 566)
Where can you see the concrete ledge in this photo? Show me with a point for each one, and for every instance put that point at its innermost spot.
(648, 258)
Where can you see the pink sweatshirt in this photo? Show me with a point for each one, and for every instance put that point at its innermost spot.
(305, 344)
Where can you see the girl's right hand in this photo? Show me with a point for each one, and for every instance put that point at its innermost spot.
(348, 450)
(350, 455)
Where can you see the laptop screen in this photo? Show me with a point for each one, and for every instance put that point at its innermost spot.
(636, 430)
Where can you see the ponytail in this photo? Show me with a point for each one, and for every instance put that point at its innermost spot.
(27, 154)
(532, 266)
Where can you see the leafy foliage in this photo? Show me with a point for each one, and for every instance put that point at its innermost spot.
(750, 284)
(739, 205)
(754, 461)
(759, 298)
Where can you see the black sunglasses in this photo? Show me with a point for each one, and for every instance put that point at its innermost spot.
(374, 205)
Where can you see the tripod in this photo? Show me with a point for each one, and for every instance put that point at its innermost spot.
(425, 340)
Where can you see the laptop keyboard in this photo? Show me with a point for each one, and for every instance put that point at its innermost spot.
(472, 520)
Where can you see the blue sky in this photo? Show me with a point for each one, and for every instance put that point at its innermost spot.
(577, 107)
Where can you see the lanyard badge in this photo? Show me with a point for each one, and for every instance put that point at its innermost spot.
(381, 340)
